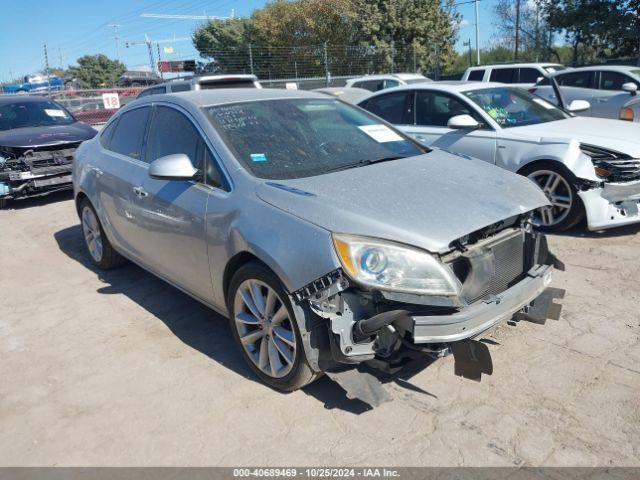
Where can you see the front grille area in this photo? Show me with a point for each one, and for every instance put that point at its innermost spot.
(509, 265)
(623, 168)
(492, 269)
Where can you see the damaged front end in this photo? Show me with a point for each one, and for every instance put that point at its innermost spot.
(615, 200)
(33, 171)
(500, 272)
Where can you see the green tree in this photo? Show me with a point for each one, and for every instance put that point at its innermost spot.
(307, 37)
(97, 71)
(394, 26)
(596, 29)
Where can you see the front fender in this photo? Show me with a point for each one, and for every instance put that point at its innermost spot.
(568, 154)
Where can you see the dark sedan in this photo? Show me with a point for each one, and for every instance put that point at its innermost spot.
(38, 138)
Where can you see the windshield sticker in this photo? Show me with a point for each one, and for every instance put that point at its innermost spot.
(543, 103)
(381, 133)
(54, 113)
(258, 157)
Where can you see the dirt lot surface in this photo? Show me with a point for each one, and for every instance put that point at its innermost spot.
(120, 368)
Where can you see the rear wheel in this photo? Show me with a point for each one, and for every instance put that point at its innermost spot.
(3, 203)
(100, 250)
(557, 183)
(265, 328)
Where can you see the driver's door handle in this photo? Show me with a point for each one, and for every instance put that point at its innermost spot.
(139, 191)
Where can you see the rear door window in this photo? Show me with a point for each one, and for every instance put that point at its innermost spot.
(529, 75)
(129, 133)
(476, 75)
(504, 75)
(575, 79)
(371, 85)
(396, 107)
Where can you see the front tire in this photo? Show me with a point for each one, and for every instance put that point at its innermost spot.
(102, 254)
(558, 184)
(266, 330)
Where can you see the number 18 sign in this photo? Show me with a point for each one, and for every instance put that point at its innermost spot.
(111, 101)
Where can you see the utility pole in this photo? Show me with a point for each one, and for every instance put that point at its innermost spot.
(477, 34)
(46, 68)
(326, 65)
(515, 53)
(116, 38)
(159, 60)
(251, 59)
(537, 31)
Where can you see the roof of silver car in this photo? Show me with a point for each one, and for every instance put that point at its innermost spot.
(219, 96)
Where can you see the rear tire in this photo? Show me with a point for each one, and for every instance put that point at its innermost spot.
(558, 184)
(266, 330)
(3, 203)
(102, 254)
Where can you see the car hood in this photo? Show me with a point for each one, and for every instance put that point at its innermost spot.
(33, 137)
(427, 201)
(602, 132)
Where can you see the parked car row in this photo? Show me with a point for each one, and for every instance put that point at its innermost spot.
(333, 234)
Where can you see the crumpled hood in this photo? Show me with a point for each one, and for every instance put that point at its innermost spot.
(427, 201)
(32, 137)
(623, 137)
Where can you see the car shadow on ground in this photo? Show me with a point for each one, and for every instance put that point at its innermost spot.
(45, 199)
(198, 326)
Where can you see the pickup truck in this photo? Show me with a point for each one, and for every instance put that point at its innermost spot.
(35, 83)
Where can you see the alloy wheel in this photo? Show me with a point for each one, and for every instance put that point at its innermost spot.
(558, 192)
(92, 236)
(265, 328)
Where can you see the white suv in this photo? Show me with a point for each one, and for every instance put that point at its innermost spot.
(520, 74)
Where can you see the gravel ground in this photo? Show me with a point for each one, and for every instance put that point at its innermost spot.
(120, 368)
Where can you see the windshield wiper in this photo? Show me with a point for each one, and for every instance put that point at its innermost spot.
(364, 163)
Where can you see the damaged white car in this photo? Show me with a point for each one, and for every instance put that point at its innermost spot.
(585, 166)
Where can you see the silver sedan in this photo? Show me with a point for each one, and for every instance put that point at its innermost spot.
(327, 236)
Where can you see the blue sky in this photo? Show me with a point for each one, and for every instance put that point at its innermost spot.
(72, 28)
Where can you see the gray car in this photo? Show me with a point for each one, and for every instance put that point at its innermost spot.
(328, 237)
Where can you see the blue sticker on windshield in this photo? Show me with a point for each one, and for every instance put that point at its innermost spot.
(258, 157)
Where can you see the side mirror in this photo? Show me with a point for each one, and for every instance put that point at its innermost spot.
(539, 79)
(172, 167)
(578, 106)
(463, 122)
(630, 87)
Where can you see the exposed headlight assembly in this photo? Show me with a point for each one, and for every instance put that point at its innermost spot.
(392, 266)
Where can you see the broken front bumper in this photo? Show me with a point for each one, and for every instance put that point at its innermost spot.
(612, 205)
(20, 184)
(476, 319)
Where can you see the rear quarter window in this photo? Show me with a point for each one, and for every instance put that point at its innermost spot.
(476, 75)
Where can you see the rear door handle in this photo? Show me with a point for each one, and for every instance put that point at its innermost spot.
(139, 191)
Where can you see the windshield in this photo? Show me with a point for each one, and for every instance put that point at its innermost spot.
(295, 138)
(33, 114)
(514, 107)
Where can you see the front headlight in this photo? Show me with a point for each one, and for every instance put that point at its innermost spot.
(391, 266)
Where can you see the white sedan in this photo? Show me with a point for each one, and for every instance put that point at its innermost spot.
(585, 166)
